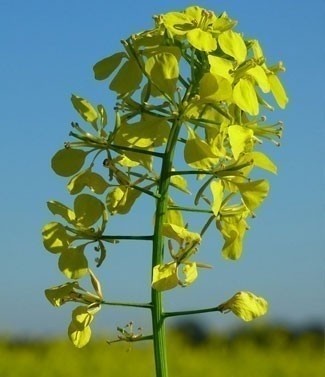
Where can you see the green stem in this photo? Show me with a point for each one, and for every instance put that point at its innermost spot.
(117, 148)
(122, 237)
(191, 172)
(190, 209)
(131, 340)
(191, 312)
(132, 304)
(158, 326)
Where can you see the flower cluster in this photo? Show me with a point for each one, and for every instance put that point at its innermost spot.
(192, 85)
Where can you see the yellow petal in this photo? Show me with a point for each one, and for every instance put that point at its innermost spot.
(198, 153)
(121, 199)
(177, 23)
(128, 78)
(214, 88)
(262, 161)
(73, 263)
(84, 108)
(79, 338)
(164, 276)
(179, 182)
(233, 229)
(254, 192)
(240, 139)
(180, 234)
(81, 318)
(55, 237)
(244, 96)
(68, 161)
(202, 40)
(174, 216)
(260, 76)
(233, 44)
(278, 91)
(189, 270)
(163, 70)
(217, 193)
(221, 67)
(149, 131)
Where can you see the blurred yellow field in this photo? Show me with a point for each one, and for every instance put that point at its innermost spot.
(270, 353)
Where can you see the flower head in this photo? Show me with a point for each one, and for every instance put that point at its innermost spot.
(198, 25)
(245, 305)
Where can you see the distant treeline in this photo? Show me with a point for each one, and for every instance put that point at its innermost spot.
(264, 335)
(195, 334)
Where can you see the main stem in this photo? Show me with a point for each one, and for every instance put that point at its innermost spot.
(159, 338)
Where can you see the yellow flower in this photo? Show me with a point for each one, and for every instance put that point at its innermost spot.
(198, 25)
(245, 305)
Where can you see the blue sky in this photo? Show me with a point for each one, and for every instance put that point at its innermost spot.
(48, 50)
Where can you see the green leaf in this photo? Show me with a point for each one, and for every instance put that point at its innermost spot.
(254, 192)
(217, 193)
(105, 67)
(278, 91)
(201, 40)
(262, 161)
(84, 108)
(61, 294)
(245, 305)
(241, 140)
(95, 182)
(233, 44)
(198, 153)
(163, 71)
(88, 210)
(68, 161)
(128, 78)
(73, 263)
(79, 338)
(55, 237)
(165, 276)
(245, 97)
(81, 317)
(214, 88)
(62, 210)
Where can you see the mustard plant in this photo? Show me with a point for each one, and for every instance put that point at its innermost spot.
(190, 93)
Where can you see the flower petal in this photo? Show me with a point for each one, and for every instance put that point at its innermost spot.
(79, 338)
(201, 40)
(278, 91)
(244, 96)
(240, 139)
(164, 276)
(233, 44)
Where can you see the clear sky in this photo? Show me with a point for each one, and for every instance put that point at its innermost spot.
(48, 49)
